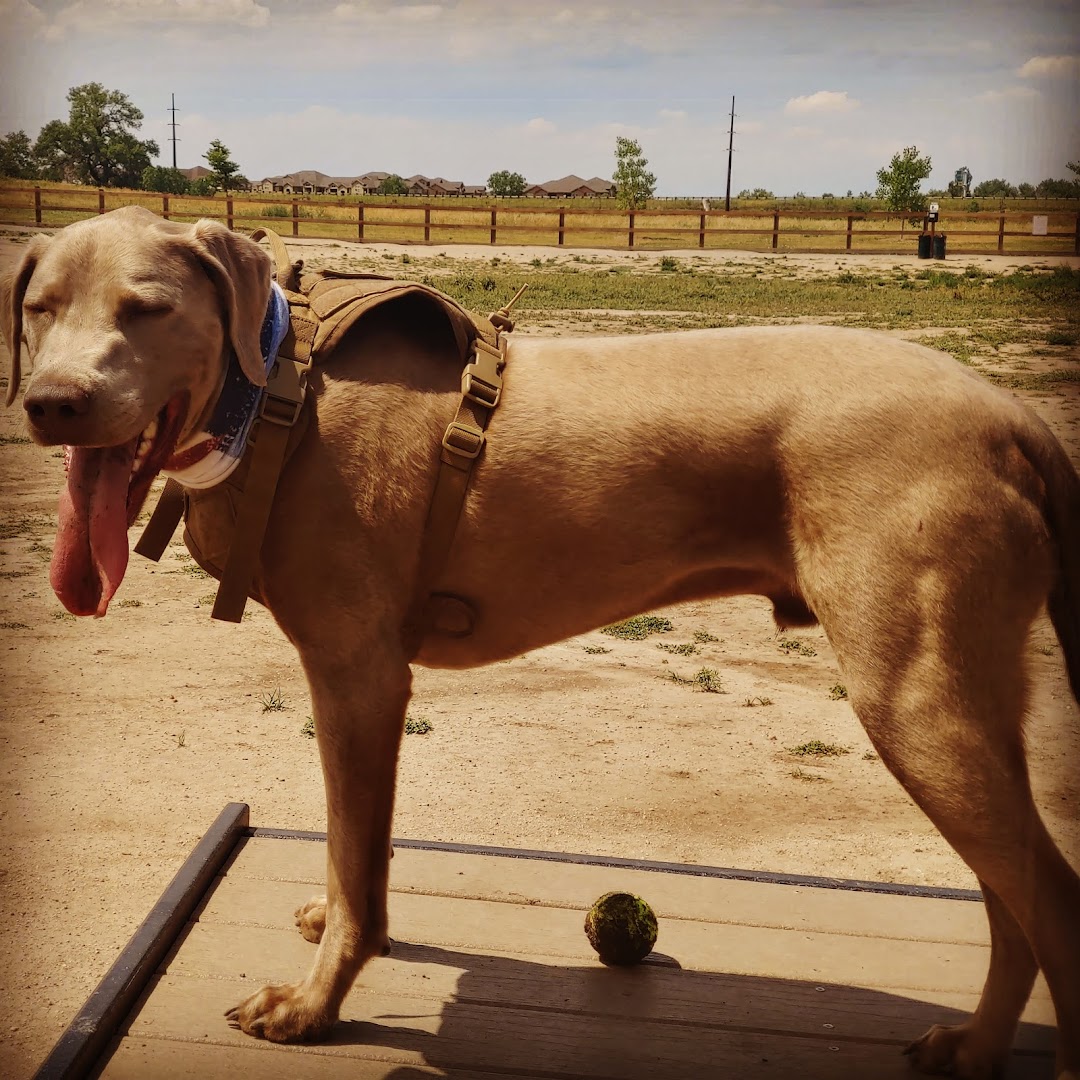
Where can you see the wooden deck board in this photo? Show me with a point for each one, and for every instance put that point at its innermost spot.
(491, 976)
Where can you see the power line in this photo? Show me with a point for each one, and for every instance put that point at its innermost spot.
(730, 149)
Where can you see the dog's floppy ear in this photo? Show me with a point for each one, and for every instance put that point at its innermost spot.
(12, 290)
(241, 272)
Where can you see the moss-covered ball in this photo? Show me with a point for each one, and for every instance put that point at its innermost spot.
(621, 927)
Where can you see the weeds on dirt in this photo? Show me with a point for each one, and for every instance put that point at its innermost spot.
(181, 739)
(703, 637)
(677, 650)
(838, 692)
(14, 440)
(707, 680)
(794, 645)
(870, 756)
(63, 616)
(596, 650)
(756, 701)
(817, 748)
(638, 628)
(11, 575)
(273, 702)
(13, 626)
(12, 528)
(417, 725)
(308, 730)
(130, 603)
(802, 774)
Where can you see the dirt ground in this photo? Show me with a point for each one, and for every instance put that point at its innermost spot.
(123, 738)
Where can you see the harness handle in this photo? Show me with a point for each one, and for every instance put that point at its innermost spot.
(288, 272)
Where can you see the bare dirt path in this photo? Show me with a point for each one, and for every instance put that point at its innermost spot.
(123, 738)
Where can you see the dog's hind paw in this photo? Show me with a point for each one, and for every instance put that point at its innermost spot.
(311, 918)
(957, 1051)
(280, 1014)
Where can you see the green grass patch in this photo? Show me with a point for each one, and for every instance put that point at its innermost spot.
(817, 748)
(795, 646)
(638, 628)
(677, 650)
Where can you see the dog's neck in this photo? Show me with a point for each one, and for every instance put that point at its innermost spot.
(210, 454)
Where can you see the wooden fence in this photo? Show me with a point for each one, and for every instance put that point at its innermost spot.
(770, 229)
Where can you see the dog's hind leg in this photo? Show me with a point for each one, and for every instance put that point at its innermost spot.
(931, 644)
(359, 714)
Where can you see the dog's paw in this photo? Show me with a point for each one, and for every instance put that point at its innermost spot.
(956, 1051)
(281, 1014)
(311, 918)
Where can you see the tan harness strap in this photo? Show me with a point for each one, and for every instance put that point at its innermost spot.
(163, 521)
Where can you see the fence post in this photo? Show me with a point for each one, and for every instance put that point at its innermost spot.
(631, 234)
(37, 211)
(228, 212)
(847, 241)
(1001, 233)
(427, 224)
(562, 226)
(493, 224)
(295, 218)
(701, 230)
(775, 228)
(359, 221)
(165, 207)
(101, 200)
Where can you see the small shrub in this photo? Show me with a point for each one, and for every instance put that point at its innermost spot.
(677, 650)
(838, 692)
(273, 702)
(794, 645)
(638, 628)
(596, 650)
(417, 725)
(754, 702)
(707, 680)
(668, 263)
(817, 748)
(703, 637)
(1061, 337)
(308, 730)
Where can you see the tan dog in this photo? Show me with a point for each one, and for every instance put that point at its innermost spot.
(922, 516)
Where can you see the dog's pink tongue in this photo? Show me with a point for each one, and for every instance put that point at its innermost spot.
(91, 551)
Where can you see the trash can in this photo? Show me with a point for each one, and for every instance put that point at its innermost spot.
(925, 240)
(939, 246)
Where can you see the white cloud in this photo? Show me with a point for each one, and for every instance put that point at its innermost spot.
(822, 102)
(672, 115)
(1050, 67)
(1008, 93)
(98, 15)
(539, 126)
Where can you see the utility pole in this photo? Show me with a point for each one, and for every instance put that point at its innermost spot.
(173, 126)
(730, 147)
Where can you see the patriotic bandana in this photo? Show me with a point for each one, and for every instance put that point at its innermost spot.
(209, 456)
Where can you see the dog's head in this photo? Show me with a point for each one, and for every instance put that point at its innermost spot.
(127, 321)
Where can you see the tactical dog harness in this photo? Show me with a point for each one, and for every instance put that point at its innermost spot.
(322, 308)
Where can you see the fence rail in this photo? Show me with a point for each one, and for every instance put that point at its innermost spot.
(772, 229)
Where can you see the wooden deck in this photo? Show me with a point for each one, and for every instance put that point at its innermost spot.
(491, 976)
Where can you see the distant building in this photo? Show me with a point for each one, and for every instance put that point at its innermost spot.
(313, 182)
(572, 187)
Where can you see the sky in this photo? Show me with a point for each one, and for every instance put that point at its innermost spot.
(826, 91)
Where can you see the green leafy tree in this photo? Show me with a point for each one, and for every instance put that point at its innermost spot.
(506, 183)
(756, 193)
(634, 184)
(17, 156)
(223, 170)
(167, 181)
(97, 143)
(1073, 166)
(1025, 190)
(204, 186)
(899, 182)
(393, 185)
(994, 189)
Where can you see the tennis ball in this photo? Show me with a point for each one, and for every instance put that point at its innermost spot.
(621, 927)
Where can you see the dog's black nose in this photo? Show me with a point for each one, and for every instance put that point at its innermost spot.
(56, 411)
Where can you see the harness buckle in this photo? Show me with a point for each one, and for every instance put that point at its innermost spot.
(286, 389)
(463, 440)
(479, 389)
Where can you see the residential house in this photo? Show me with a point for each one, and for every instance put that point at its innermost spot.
(572, 187)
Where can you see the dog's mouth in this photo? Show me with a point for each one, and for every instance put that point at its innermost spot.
(106, 488)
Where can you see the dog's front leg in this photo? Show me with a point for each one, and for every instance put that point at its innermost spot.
(359, 715)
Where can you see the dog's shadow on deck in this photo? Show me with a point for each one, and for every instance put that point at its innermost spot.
(515, 1017)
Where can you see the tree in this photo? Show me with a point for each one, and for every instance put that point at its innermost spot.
(204, 186)
(17, 156)
(393, 185)
(97, 143)
(1025, 190)
(506, 183)
(633, 184)
(992, 189)
(756, 193)
(898, 183)
(223, 169)
(167, 181)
